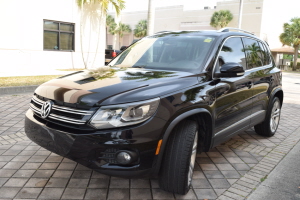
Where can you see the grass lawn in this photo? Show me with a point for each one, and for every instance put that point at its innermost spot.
(25, 80)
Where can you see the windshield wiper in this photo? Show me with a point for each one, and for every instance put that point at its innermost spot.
(139, 66)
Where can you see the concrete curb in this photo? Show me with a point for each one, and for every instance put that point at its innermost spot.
(16, 90)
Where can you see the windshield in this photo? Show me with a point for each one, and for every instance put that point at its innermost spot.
(171, 53)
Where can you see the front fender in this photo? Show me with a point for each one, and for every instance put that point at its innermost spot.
(169, 130)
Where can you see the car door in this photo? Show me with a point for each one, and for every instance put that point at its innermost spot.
(259, 67)
(233, 103)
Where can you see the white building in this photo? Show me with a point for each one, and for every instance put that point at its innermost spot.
(47, 34)
(262, 17)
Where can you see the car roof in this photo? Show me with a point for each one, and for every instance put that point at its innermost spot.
(214, 33)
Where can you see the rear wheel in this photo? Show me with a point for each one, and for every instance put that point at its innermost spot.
(179, 158)
(269, 126)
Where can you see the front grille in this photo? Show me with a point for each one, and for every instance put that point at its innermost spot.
(62, 113)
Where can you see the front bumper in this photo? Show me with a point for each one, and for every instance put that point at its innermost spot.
(96, 150)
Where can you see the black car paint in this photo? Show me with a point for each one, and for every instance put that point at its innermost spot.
(182, 94)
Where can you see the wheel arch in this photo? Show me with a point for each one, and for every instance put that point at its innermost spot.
(278, 93)
(204, 120)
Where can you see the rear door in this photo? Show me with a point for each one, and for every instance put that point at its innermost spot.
(233, 105)
(259, 67)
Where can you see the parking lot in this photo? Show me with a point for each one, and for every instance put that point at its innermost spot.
(230, 171)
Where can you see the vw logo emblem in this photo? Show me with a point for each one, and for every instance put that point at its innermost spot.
(46, 108)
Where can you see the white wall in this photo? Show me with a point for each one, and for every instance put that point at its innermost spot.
(21, 35)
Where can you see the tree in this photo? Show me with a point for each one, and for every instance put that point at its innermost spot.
(102, 6)
(118, 5)
(110, 21)
(221, 18)
(252, 56)
(140, 29)
(120, 30)
(291, 37)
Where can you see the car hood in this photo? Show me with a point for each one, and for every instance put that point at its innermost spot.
(110, 86)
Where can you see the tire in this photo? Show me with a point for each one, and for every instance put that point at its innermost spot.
(179, 158)
(269, 126)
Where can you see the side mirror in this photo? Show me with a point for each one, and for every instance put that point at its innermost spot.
(231, 69)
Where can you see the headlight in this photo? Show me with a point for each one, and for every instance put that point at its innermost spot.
(124, 114)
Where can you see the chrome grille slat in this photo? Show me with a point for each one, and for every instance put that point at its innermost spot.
(74, 111)
(38, 101)
(68, 111)
(66, 119)
(35, 109)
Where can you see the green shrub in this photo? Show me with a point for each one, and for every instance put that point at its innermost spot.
(298, 65)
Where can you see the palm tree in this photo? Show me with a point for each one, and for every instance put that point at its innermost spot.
(221, 18)
(110, 21)
(101, 5)
(118, 5)
(291, 37)
(252, 56)
(120, 30)
(140, 29)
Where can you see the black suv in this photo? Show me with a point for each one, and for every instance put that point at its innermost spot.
(162, 100)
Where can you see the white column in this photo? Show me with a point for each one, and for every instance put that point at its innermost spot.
(240, 14)
(151, 17)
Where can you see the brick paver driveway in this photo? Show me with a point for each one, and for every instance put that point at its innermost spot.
(230, 171)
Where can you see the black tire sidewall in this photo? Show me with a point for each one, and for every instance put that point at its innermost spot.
(180, 161)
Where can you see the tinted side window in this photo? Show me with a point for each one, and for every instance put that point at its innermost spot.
(262, 53)
(267, 53)
(232, 51)
(253, 53)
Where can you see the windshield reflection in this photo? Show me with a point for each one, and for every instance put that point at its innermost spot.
(173, 52)
(144, 76)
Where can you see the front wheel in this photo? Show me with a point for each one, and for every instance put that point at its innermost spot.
(269, 126)
(179, 158)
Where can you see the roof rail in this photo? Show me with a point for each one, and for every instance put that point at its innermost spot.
(226, 29)
(161, 32)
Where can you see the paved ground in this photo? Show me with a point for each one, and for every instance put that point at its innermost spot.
(230, 171)
(281, 182)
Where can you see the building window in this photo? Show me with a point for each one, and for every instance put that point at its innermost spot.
(58, 36)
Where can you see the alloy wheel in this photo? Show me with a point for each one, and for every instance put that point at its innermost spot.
(275, 116)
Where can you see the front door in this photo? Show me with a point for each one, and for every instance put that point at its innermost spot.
(233, 105)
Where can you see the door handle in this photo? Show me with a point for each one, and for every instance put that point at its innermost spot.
(249, 85)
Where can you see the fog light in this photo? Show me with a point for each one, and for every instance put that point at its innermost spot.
(126, 157)
(123, 158)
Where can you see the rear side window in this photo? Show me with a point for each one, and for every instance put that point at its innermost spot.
(255, 53)
(232, 51)
(267, 54)
(262, 53)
